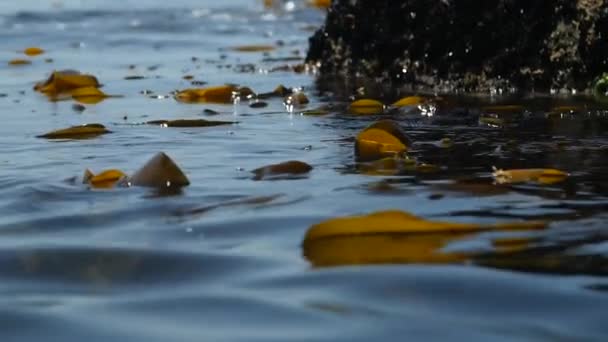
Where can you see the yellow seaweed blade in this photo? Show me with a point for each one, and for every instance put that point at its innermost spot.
(322, 4)
(219, 94)
(393, 128)
(395, 237)
(88, 95)
(552, 176)
(77, 132)
(382, 249)
(516, 175)
(379, 140)
(19, 61)
(366, 107)
(409, 101)
(383, 222)
(106, 179)
(543, 176)
(254, 48)
(33, 51)
(160, 172)
(400, 222)
(61, 82)
(292, 167)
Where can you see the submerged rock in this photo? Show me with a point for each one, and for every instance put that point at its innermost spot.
(464, 45)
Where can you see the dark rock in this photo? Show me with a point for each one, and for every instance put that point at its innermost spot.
(464, 45)
(160, 172)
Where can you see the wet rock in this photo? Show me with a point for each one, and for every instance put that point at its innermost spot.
(160, 172)
(464, 45)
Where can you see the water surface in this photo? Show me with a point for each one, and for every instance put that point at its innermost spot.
(222, 260)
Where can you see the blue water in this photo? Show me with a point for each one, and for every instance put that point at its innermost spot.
(222, 260)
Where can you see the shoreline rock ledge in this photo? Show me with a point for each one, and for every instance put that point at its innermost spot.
(465, 45)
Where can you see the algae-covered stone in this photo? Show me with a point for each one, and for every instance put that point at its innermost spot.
(465, 45)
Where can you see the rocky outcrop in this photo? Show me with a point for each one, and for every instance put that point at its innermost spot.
(465, 45)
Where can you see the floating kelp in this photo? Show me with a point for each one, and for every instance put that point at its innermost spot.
(62, 82)
(220, 94)
(66, 84)
(160, 172)
(543, 176)
(366, 107)
(408, 249)
(383, 249)
(89, 95)
(283, 170)
(254, 48)
(400, 222)
(379, 140)
(392, 237)
(105, 179)
(190, 123)
(33, 51)
(77, 132)
(19, 61)
(323, 4)
(409, 101)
